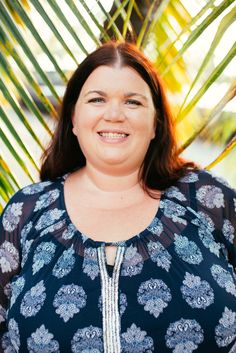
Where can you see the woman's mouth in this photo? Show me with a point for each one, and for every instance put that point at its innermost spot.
(113, 136)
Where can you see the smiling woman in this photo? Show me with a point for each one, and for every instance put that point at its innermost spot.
(123, 246)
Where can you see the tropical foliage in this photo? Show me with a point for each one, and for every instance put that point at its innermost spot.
(39, 37)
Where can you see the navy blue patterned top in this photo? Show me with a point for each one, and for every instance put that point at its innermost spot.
(172, 288)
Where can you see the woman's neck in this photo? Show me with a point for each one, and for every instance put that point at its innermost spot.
(102, 181)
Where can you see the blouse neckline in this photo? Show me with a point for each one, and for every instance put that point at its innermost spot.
(98, 243)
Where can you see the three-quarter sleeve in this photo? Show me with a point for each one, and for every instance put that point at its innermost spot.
(12, 220)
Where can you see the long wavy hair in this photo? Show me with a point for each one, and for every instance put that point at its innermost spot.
(162, 165)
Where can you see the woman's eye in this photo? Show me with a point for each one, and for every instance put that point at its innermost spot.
(96, 100)
(133, 102)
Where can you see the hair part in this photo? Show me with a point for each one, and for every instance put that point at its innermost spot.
(162, 166)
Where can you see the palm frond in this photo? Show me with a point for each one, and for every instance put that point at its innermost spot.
(227, 20)
(210, 80)
(230, 94)
(223, 154)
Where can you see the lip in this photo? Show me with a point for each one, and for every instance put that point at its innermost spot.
(113, 139)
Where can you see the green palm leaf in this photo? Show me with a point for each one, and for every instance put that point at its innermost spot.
(223, 154)
(29, 103)
(217, 11)
(225, 23)
(48, 21)
(7, 46)
(230, 94)
(15, 33)
(210, 80)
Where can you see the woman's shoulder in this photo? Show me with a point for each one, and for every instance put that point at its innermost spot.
(32, 197)
(36, 190)
(206, 192)
(201, 188)
(204, 178)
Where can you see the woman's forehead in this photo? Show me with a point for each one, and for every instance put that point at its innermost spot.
(115, 77)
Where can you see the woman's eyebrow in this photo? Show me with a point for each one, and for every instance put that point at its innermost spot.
(101, 93)
(127, 95)
(131, 94)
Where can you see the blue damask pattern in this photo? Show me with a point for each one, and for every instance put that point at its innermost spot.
(134, 340)
(210, 196)
(174, 192)
(122, 303)
(184, 336)
(191, 177)
(41, 341)
(204, 221)
(33, 300)
(48, 218)
(69, 232)
(154, 295)
(35, 188)
(90, 263)
(16, 288)
(6, 344)
(25, 231)
(87, 340)
(173, 211)
(226, 330)
(224, 279)
(228, 230)
(14, 335)
(46, 199)
(155, 227)
(9, 257)
(25, 243)
(43, 255)
(132, 263)
(26, 251)
(69, 300)
(11, 217)
(159, 255)
(53, 227)
(205, 231)
(197, 293)
(65, 263)
(187, 250)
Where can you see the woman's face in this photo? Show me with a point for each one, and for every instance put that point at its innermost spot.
(114, 119)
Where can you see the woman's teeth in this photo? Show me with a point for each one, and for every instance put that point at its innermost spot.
(112, 134)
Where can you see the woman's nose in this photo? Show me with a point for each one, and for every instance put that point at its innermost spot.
(114, 112)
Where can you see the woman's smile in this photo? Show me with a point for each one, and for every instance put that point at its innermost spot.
(108, 136)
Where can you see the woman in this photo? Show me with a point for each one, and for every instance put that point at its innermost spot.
(123, 246)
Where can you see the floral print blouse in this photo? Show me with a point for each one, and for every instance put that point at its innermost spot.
(172, 287)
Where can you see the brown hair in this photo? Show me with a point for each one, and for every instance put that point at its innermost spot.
(162, 165)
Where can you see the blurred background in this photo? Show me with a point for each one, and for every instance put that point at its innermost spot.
(191, 42)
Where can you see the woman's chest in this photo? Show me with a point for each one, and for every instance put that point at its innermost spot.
(165, 301)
